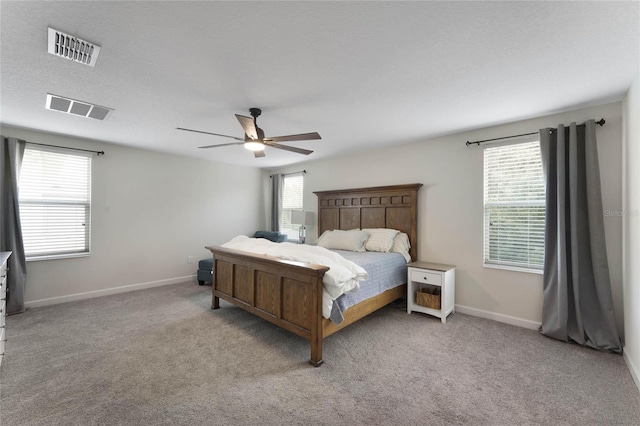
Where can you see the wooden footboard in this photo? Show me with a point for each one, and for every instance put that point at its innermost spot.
(286, 293)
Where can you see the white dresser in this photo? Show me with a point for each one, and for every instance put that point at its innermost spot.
(4, 257)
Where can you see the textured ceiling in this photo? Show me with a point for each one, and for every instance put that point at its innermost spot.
(362, 74)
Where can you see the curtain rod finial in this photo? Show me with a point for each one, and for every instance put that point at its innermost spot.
(601, 122)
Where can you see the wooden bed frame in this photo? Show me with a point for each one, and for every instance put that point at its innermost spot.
(288, 293)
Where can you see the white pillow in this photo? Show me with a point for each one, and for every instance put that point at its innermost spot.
(401, 245)
(380, 239)
(352, 240)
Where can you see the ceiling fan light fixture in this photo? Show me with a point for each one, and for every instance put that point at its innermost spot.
(254, 146)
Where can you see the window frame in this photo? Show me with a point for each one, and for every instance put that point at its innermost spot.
(286, 227)
(83, 203)
(488, 261)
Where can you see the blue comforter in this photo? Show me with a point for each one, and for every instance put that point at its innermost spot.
(385, 270)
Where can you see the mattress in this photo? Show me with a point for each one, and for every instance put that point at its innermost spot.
(385, 270)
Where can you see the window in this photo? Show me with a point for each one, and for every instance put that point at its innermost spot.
(292, 189)
(55, 203)
(514, 207)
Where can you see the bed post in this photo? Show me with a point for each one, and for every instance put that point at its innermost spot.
(215, 301)
(316, 325)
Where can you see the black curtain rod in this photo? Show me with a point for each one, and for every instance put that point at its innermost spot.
(66, 147)
(292, 173)
(599, 122)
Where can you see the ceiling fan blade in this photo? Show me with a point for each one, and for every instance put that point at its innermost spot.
(289, 138)
(209, 133)
(289, 148)
(248, 125)
(258, 154)
(223, 144)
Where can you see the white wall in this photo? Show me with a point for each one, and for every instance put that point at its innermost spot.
(631, 228)
(451, 208)
(150, 211)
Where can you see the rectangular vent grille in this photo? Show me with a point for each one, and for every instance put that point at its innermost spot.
(72, 48)
(81, 108)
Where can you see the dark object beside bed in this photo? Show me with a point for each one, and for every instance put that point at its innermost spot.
(288, 293)
(204, 273)
(205, 266)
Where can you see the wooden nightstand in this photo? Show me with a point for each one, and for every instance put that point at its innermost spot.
(427, 277)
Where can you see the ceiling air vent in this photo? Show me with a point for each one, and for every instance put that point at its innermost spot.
(81, 108)
(73, 48)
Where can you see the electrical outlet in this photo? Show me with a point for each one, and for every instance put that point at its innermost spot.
(189, 259)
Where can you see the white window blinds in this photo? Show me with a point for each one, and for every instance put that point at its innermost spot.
(292, 195)
(55, 203)
(514, 206)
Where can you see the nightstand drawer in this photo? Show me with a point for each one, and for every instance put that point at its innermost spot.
(426, 277)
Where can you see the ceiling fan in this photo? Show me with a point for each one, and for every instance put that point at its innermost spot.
(254, 139)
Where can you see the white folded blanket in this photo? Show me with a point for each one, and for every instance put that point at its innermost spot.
(343, 275)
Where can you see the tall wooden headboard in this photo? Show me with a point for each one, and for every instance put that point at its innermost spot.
(393, 207)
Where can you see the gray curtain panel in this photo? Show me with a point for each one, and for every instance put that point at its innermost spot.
(276, 201)
(10, 229)
(577, 304)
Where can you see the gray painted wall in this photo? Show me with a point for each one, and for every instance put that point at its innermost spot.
(631, 228)
(150, 212)
(451, 207)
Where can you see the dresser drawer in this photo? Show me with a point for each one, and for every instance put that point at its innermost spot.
(2, 338)
(3, 278)
(426, 277)
(3, 289)
(3, 314)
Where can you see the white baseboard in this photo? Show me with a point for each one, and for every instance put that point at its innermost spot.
(520, 322)
(105, 292)
(633, 369)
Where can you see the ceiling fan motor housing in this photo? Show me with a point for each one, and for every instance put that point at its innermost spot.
(260, 134)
